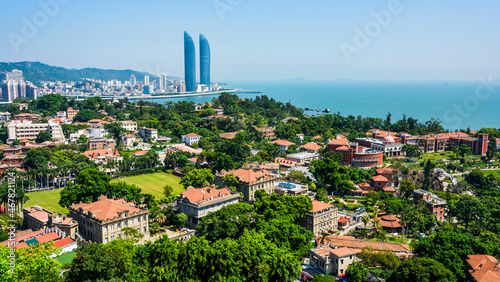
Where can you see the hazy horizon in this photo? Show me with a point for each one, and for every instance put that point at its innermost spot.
(262, 41)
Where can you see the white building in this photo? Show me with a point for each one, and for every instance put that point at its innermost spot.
(29, 131)
(129, 125)
(191, 138)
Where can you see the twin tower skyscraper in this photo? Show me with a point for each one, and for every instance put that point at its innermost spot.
(190, 62)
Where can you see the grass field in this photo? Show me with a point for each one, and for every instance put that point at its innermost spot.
(438, 155)
(46, 199)
(153, 183)
(494, 172)
(66, 258)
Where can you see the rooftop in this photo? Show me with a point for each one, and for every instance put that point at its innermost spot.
(282, 142)
(249, 175)
(205, 194)
(105, 208)
(302, 155)
(192, 135)
(319, 206)
(484, 268)
(311, 146)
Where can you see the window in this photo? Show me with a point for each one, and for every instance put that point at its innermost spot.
(105, 240)
(341, 261)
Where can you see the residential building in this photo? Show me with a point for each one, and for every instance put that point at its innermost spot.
(4, 116)
(191, 138)
(128, 140)
(283, 144)
(301, 137)
(250, 181)
(103, 155)
(483, 268)
(478, 146)
(71, 113)
(38, 218)
(286, 163)
(101, 143)
(321, 219)
(387, 145)
(27, 117)
(287, 119)
(390, 223)
(147, 133)
(332, 260)
(267, 132)
(189, 63)
(311, 147)
(303, 157)
(29, 131)
(229, 135)
(434, 204)
(129, 125)
(204, 61)
(291, 189)
(197, 203)
(102, 221)
(181, 147)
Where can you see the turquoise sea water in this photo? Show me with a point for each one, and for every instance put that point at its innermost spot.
(457, 104)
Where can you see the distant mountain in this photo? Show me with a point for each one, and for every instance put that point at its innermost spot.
(36, 72)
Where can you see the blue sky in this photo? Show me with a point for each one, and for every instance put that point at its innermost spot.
(262, 40)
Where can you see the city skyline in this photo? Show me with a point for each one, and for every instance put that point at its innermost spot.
(263, 41)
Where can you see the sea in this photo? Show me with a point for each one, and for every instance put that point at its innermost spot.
(458, 105)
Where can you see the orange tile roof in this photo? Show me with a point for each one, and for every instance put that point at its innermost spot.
(484, 268)
(342, 148)
(348, 241)
(92, 154)
(204, 194)
(43, 216)
(63, 242)
(385, 170)
(248, 175)
(390, 221)
(228, 135)
(311, 146)
(192, 135)
(22, 238)
(344, 251)
(47, 237)
(388, 189)
(21, 245)
(105, 208)
(282, 142)
(319, 206)
(317, 137)
(379, 178)
(140, 153)
(341, 141)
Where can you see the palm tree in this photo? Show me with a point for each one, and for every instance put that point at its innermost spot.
(366, 219)
(324, 237)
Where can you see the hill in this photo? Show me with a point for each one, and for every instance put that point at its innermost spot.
(36, 72)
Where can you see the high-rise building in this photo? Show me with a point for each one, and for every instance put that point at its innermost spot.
(189, 63)
(204, 61)
(133, 81)
(146, 80)
(160, 83)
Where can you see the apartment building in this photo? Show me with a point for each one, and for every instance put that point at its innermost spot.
(332, 260)
(191, 138)
(147, 133)
(101, 143)
(129, 125)
(434, 204)
(29, 131)
(321, 219)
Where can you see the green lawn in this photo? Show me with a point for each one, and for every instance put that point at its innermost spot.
(153, 183)
(494, 172)
(66, 258)
(438, 155)
(46, 199)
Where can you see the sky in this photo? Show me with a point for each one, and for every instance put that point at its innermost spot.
(262, 40)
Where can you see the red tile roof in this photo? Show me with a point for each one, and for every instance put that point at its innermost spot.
(340, 141)
(47, 237)
(21, 245)
(311, 146)
(63, 242)
(350, 242)
(282, 142)
(388, 189)
(344, 251)
(342, 220)
(192, 135)
(204, 194)
(390, 221)
(319, 206)
(248, 175)
(342, 148)
(22, 238)
(228, 135)
(317, 137)
(484, 268)
(140, 153)
(285, 162)
(385, 170)
(379, 178)
(106, 208)
(92, 154)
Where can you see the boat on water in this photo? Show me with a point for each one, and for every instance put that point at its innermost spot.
(327, 110)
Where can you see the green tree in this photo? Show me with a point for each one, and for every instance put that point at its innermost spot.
(357, 272)
(91, 263)
(421, 270)
(323, 278)
(43, 136)
(468, 208)
(84, 115)
(198, 178)
(168, 190)
(181, 219)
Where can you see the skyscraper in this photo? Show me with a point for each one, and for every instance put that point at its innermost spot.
(204, 61)
(146, 80)
(160, 83)
(189, 63)
(133, 81)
